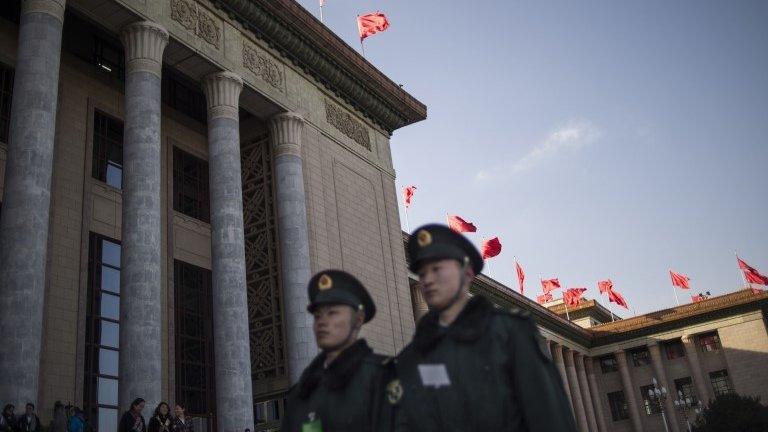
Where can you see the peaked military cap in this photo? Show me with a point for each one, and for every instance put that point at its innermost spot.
(437, 242)
(339, 287)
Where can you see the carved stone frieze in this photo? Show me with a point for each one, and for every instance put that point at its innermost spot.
(262, 66)
(346, 124)
(195, 19)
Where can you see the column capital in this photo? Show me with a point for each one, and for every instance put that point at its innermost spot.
(286, 131)
(144, 43)
(222, 92)
(54, 8)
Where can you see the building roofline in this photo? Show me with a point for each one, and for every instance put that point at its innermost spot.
(289, 28)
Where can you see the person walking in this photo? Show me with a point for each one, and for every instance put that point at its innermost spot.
(161, 419)
(29, 421)
(132, 420)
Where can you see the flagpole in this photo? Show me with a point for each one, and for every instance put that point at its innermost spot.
(362, 46)
(673, 288)
(567, 315)
(743, 278)
(407, 224)
(321, 12)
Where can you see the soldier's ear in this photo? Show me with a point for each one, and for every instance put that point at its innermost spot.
(359, 318)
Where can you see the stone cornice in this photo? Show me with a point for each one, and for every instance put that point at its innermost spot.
(300, 37)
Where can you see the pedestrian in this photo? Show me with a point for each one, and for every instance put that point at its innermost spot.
(471, 366)
(339, 390)
(8, 421)
(29, 421)
(77, 421)
(132, 420)
(180, 422)
(59, 422)
(161, 419)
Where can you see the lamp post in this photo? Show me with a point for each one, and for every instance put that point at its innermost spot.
(658, 394)
(684, 404)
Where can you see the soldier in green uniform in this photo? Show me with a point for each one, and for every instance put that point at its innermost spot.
(471, 366)
(341, 390)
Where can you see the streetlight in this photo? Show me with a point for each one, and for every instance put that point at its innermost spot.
(684, 404)
(659, 395)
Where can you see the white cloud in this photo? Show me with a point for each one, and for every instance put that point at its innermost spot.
(572, 136)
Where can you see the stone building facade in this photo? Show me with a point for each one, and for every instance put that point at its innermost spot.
(171, 173)
(700, 350)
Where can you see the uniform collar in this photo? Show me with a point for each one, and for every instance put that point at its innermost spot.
(468, 326)
(338, 373)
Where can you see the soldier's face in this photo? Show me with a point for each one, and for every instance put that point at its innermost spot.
(439, 282)
(333, 324)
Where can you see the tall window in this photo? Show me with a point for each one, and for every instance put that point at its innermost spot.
(640, 356)
(618, 404)
(709, 342)
(184, 96)
(102, 347)
(609, 364)
(720, 383)
(194, 339)
(651, 404)
(190, 185)
(674, 349)
(6, 95)
(685, 386)
(107, 149)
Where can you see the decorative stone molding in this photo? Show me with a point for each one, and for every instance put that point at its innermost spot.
(144, 43)
(50, 7)
(194, 18)
(222, 92)
(347, 124)
(286, 129)
(262, 66)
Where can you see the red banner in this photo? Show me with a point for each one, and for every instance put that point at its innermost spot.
(680, 280)
(370, 24)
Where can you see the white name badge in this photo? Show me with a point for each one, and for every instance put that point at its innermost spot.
(434, 375)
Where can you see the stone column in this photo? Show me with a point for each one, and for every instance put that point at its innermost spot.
(140, 279)
(292, 230)
(231, 338)
(573, 383)
(594, 391)
(557, 356)
(661, 377)
(704, 391)
(585, 393)
(629, 390)
(27, 200)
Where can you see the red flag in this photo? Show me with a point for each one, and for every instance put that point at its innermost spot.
(491, 248)
(697, 298)
(459, 225)
(544, 298)
(615, 297)
(520, 276)
(571, 296)
(605, 286)
(757, 291)
(370, 24)
(680, 280)
(408, 192)
(751, 274)
(550, 285)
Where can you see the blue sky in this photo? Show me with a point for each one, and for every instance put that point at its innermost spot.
(597, 139)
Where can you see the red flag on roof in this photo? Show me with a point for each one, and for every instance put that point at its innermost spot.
(408, 192)
(520, 277)
(605, 286)
(372, 23)
(680, 280)
(757, 291)
(491, 248)
(544, 298)
(751, 274)
(697, 298)
(615, 297)
(459, 225)
(549, 285)
(572, 296)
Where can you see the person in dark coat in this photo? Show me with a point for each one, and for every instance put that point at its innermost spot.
(59, 422)
(161, 419)
(180, 422)
(29, 421)
(471, 366)
(340, 390)
(132, 420)
(8, 419)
